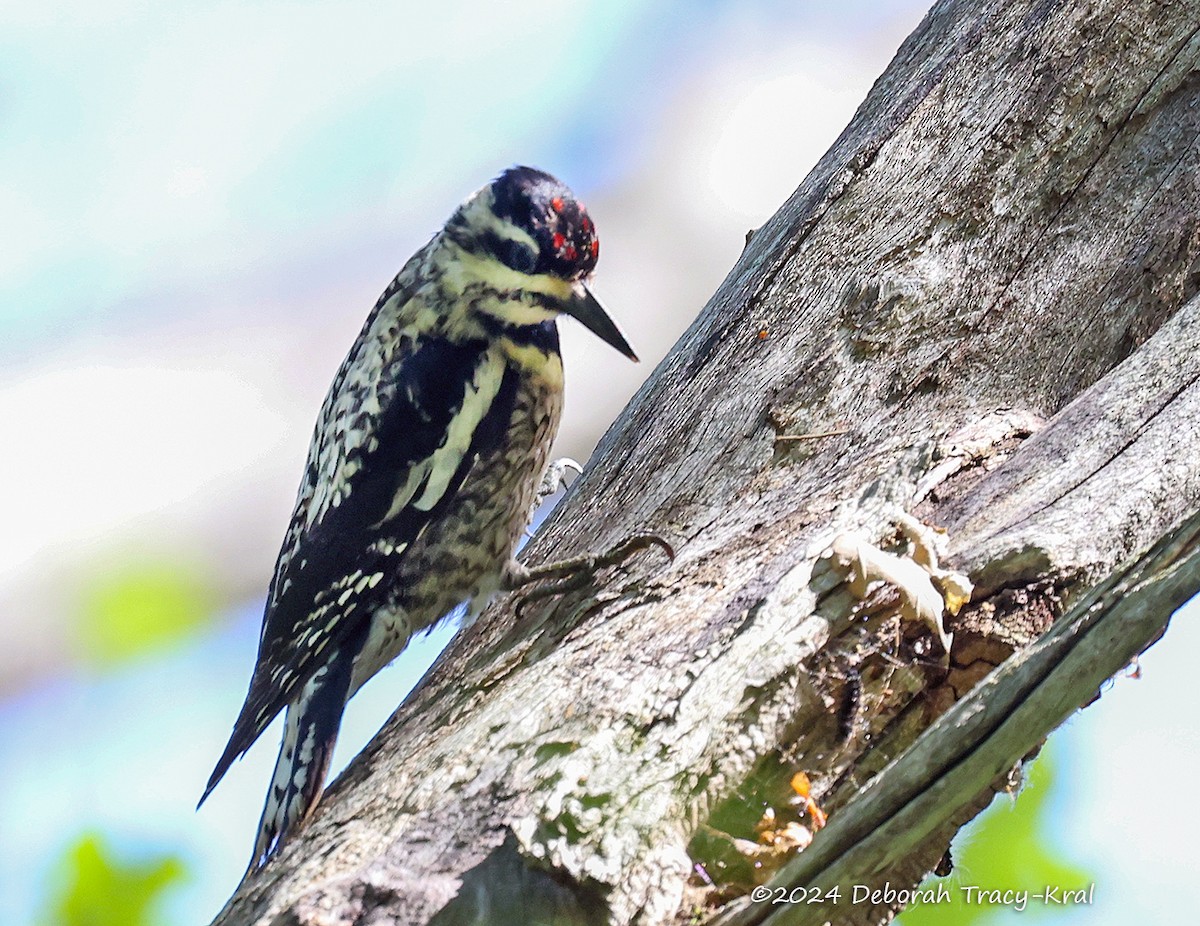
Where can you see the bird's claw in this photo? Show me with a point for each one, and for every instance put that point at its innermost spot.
(553, 479)
(573, 574)
(633, 544)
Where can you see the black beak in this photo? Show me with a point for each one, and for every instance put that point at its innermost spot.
(587, 309)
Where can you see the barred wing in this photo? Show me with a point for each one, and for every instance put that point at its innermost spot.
(443, 404)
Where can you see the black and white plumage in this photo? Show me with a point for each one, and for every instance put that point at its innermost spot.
(422, 470)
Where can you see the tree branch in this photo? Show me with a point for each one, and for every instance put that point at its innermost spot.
(1005, 235)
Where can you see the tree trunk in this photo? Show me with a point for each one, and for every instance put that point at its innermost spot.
(982, 298)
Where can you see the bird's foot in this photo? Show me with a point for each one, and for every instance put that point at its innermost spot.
(569, 575)
(553, 479)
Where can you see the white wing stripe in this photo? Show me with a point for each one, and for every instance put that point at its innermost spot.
(436, 472)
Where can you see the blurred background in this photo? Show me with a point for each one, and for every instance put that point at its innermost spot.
(200, 201)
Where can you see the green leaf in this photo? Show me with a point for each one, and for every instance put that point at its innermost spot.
(140, 607)
(97, 889)
(1004, 848)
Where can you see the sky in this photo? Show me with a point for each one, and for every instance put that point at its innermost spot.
(200, 202)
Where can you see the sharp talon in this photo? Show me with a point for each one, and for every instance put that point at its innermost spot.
(571, 575)
(634, 544)
(647, 540)
(553, 479)
(522, 603)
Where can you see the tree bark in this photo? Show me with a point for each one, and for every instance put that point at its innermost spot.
(983, 298)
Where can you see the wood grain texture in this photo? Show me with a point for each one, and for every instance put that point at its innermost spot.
(988, 283)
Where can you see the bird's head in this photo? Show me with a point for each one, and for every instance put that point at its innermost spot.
(536, 248)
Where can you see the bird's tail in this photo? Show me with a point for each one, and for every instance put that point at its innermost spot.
(309, 734)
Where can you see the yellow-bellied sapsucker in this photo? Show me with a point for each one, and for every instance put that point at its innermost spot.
(423, 468)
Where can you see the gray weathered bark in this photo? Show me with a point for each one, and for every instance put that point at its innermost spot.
(987, 284)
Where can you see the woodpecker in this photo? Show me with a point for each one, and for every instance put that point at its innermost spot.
(424, 465)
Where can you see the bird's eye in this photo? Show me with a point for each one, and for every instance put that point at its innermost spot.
(517, 256)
